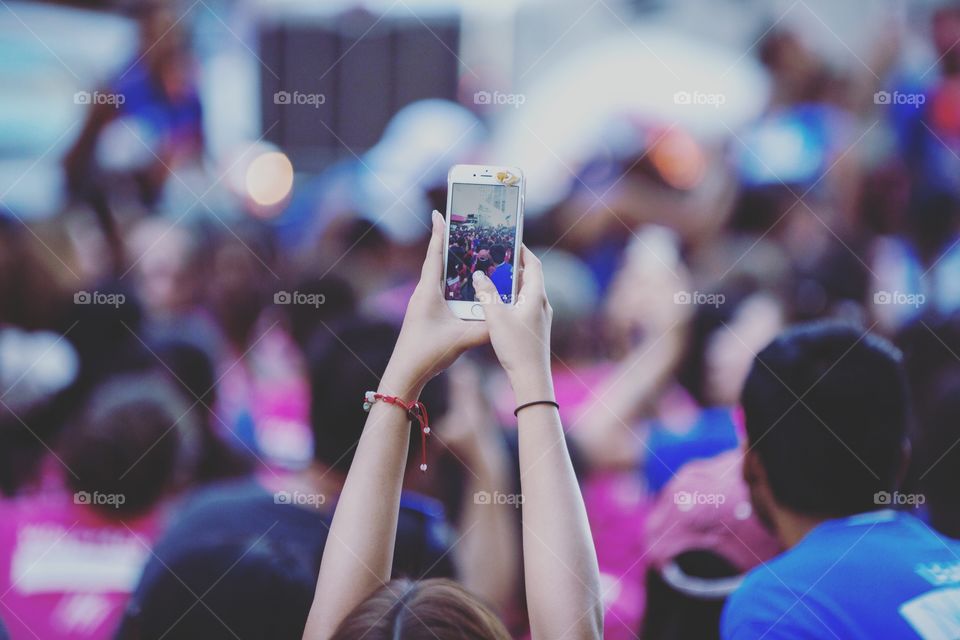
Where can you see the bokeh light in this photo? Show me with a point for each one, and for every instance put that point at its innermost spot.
(269, 178)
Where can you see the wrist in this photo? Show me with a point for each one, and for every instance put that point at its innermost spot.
(533, 386)
(403, 385)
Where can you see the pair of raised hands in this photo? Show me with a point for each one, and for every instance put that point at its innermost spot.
(432, 337)
(560, 565)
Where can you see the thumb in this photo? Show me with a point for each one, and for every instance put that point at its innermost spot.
(432, 272)
(486, 292)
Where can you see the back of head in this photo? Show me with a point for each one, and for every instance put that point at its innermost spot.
(249, 589)
(826, 412)
(133, 443)
(335, 299)
(424, 610)
(345, 361)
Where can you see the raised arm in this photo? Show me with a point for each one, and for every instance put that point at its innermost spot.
(560, 563)
(640, 305)
(359, 552)
(488, 553)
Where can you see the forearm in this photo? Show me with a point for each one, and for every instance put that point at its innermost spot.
(605, 430)
(358, 555)
(488, 552)
(560, 563)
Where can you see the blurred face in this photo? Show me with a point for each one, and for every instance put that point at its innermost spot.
(641, 300)
(794, 65)
(176, 77)
(946, 33)
(237, 290)
(731, 349)
(164, 275)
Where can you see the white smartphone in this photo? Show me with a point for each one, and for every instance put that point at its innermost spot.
(484, 231)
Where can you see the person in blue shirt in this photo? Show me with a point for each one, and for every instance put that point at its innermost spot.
(826, 417)
(502, 275)
(157, 94)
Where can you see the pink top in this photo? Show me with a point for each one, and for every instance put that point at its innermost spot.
(617, 503)
(65, 570)
(266, 390)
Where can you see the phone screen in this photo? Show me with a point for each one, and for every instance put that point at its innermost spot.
(483, 236)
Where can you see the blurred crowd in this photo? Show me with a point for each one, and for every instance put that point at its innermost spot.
(180, 397)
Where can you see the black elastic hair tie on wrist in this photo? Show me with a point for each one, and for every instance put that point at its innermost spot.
(530, 404)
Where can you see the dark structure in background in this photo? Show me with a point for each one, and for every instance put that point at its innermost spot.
(393, 60)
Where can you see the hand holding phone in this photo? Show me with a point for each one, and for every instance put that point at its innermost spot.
(431, 337)
(484, 226)
(520, 333)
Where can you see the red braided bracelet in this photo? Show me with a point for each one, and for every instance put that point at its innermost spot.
(415, 411)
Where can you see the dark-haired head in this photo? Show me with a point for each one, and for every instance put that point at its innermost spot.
(826, 409)
(435, 609)
(134, 443)
(190, 367)
(243, 278)
(250, 589)
(498, 253)
(345, 362)
(336, 299)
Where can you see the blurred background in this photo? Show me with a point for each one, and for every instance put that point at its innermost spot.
(201, 192)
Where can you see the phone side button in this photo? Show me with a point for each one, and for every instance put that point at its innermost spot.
(477, 310)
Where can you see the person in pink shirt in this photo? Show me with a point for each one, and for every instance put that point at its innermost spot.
(70, 557)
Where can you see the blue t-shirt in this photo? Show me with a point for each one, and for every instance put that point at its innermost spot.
(503, 279)
(872, 576)
(712, 432)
